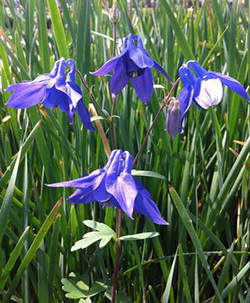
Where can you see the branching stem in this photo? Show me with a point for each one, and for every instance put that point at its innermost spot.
(91, 94)
(165, 103)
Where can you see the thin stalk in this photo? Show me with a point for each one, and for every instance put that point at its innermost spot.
(165, 103)
(114, 37)
(112, 126)
(117, 256)
(90, 94)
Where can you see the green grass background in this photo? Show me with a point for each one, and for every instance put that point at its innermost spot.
(203, 255)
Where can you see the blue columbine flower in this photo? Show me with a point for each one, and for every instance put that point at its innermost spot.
(52, 90)
(114, 185)
(202, 88)
(132, 64)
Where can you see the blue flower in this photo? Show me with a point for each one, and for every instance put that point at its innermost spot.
(132, 64)
(52, 90)
(202, 88)
(113, 185)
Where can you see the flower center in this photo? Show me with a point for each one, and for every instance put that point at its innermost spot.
(134, 74)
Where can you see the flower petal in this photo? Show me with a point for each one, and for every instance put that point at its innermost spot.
(55, 97)
(73, 92)
(111, 158)
(100, 193)
(81, 196)
(27, 96)
(111, 202)
(210, 94)
(144, 85)
(18, 85)
(157, 66)
(119, 79)
(83, 182)
(109, 65)
(128, 159)
(187, 77)
(200, 71)
(145, 205)
(185, 98)
(139, 57)
(54, 71)
(84, 115)
(231, 83)
(123, 188)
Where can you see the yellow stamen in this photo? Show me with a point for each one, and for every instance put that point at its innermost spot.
(135, 74)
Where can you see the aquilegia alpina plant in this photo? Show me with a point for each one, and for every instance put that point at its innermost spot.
(203, 89)
(132, 64)
(52, 90)
(113, 185)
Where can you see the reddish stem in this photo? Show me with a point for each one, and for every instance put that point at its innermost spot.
(165, 103)
(117, 256)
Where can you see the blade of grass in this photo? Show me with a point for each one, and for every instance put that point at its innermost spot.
(13, 257)
(166, 294)
(58, 29)
(7, 202)
(236, 280)
(190, 229)
(184, 275)
(33, 249)
(186, 49)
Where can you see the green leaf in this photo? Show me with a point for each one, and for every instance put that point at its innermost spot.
(25, 147)
(13, 257)
(186, 49)
(184, 276)
(6, 205)
(33, 249)
(146, 173)
(225, 271)
(167, 290)
(236, 280)
(58, 29)
(43, 36)
(102, 232)
(141, 236)
(77, 287)
(99, 226)
(190, 229)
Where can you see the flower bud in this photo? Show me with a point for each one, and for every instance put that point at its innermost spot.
(173, 118)
(114, 14)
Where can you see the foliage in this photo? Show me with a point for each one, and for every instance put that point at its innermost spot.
(201, 185)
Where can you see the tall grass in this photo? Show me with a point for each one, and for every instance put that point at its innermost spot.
(203, 255)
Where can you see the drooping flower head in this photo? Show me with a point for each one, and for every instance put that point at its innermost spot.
(202, 88)
(113, 185)
(52, 90)
(132, 64)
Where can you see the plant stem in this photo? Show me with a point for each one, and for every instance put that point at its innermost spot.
(165, 103)
(90, 94)
(112, 126)
(114, 37)
(117, 256)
